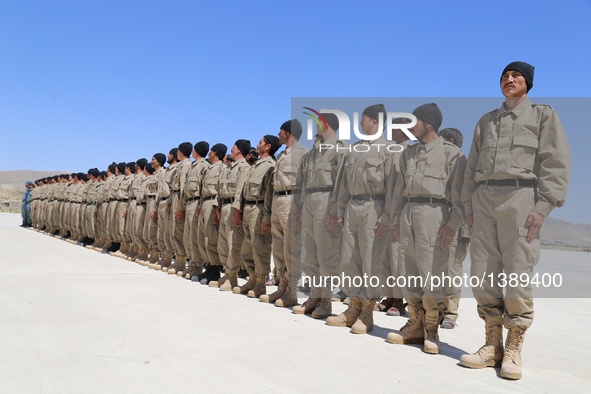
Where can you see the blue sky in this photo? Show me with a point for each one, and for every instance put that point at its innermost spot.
(85, 83)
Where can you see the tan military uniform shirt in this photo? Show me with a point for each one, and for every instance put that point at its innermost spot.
(527, 142)
(259, 185)
(231, 182)
(194, 179)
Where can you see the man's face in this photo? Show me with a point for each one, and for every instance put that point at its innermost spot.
(262, 146)
(513, 84)
(170, 158)
(419, 130)
(283, 136)
(235, 151)
(154, 162)
(367, 124)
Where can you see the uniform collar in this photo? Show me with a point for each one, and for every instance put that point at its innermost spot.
(517, 110)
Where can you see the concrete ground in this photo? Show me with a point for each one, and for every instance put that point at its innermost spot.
(75, 321)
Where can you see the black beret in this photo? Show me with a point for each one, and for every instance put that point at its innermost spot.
(527, 70)
(186, 148)
(293, 126)
(94, 172)
(202, 148)
(243, 146)
(373, 111)
(220, 150)
(160, 158)
(332, 120)
(429, 113)
(274, 141)
(141, 163)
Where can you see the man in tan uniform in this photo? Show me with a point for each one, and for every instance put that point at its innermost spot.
(256, 217)
(208, 221)
(518, 172)
(458, 250)
(103, 208)
(192, 196)
(231, 235)
(165, 214)
(284, 217)
(178, 205)
(320, 246)
(121, 211)
(428, 213)
(363, 205)
(151, 222)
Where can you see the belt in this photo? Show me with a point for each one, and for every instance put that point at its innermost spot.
(253, 202)
(208, 198)
(151, 196)
(368, 197)
(163, 198)
(191, 199)
(319, 189)
(123, 200)
(227, 201)
(428, 200)
(286, 192)
(510, 182)
(141, 203)
(176, 191)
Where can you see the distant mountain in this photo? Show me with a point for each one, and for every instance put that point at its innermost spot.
(18, 178)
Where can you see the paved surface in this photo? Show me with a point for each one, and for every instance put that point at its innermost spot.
(75, 321)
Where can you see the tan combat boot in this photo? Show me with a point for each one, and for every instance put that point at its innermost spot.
(431, 343)
(219, 282)
(180, 264)
(245, 288)
(165, 261)
(192, 271)
(364, 322)
(229, 284)
(307, 307)
(413, 331)
(290, 297)
(349, 317)
(490, 354)
(323, 310)
(259, 288)
(511, 366)
(154, 257)
(277, 294)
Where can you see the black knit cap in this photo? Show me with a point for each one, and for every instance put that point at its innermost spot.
(527, 70)
(160, 158)
(274, 141)
(373, 111)
(220, 150)
(94, 172)
(173, 152)
(294, 127)
(332, 120)
(186, 148)
(429, 113)
(121, 166)
(149, 168)
(202, 148)
(141, 163)
(112, 167)
(131, 166)
(243, 146)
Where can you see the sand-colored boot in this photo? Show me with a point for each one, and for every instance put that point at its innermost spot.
(180, 263)
(431, 343)
(364, 322)
(154, 257)
(277, 294)
(259, 288)
(349, 317)
(245, 288)
(511, 366)
(290, 297)
(413, 331)
(323, 310)
(219, 282)
(230, 283)
(308, 307)
(490, 354)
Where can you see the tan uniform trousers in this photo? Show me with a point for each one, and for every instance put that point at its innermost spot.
(421, 255)
(164, 227)
(190, 235)
(137, 234)
(207, 236)
(90, 221)
(256, 249)
(127, 234)
(177, 229)
(110, 226)
(150, 230)
(320, 248)
(101, 221)
(458, 251)
(392, 270)
(362, 254)
(286, 238)
(118, 225)
(499, 245)
(230, 240)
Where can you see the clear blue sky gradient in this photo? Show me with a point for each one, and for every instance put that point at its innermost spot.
(85, 83)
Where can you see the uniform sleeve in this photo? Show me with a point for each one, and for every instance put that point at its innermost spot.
(391, 175)
(470, 184)
(398, 200)
(553, 163)
(238, 196)
(268, 200)
(456, 178)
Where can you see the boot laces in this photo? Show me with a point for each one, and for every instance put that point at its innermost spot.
(513, 340)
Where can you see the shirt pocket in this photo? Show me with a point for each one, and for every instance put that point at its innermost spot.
(434, 179)
(374, 171)
(523, 151)
(323, 173)
(485, 156)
